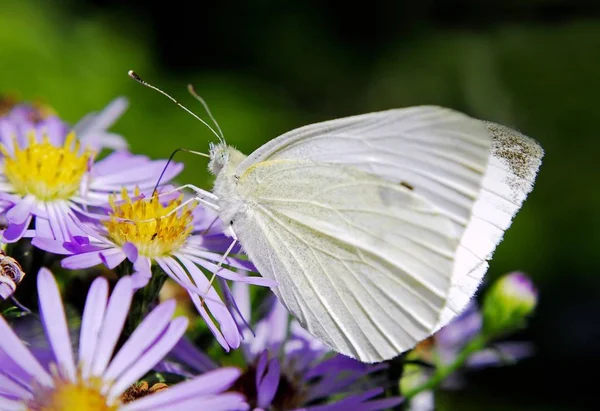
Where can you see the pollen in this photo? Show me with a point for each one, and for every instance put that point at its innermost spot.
(156, 229)
(44, 170)
(67, 396)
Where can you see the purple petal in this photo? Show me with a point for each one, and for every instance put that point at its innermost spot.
(261, 366)
(85, 260)
(9, 198)
(57, 220)
(382, 404)
(91, 323)
(139, 280)
(188, 354)
(21, 211)
(142, 273)
(142, 175)
(142, 338)
(461, 330)
(337, 362)
(109, 114)
(233, 276)
(55, 130)
(143, 265)
(51, 245)
(501, 354)
(267, 387)
(116, 314)
(118, 160)
(219, 311)
(207, 385)
(112, 257)
(170, 267)
(334, 379)
(92, 128)
(55, 323)
(216, 257)
(224, 402)
(14, 349)
(240, 320)
(15, 232)
(174, 270)
(10, 405)
(9, 386)
(277, 320)
(150, 358)
(241, 294)
(130, 251)
(352, 402)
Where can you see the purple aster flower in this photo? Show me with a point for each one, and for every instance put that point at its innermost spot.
(97, 379)
(288, 369)
(183, 243)
(49, 174)
(91, 130)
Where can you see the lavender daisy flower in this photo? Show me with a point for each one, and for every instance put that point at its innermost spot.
(288, 369)
(181, 243)
(49, 176)
(97, 380)
(92, 130)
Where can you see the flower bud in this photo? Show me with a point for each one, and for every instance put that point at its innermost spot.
(507, 303)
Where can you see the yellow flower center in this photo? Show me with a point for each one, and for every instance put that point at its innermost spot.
(151, 226)
(44, 170)
(68, 396)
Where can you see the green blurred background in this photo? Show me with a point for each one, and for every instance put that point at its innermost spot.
(266, 67)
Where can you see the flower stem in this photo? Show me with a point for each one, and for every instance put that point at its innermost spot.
(443, 371)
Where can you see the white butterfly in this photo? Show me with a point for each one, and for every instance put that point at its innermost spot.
(376, 227)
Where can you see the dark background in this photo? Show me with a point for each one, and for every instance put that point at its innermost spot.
(267, 66)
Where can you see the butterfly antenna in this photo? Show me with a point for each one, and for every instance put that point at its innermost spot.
(171, 159)
(137, 78)
(194, 94)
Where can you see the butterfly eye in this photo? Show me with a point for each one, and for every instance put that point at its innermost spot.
(219, 157)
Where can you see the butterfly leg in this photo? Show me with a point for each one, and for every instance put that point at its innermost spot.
(223, 259)
(199, 192)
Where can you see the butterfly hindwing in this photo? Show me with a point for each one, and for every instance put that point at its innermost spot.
(363, 263)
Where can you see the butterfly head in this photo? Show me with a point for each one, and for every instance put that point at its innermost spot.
(222, 157)
(219, 157)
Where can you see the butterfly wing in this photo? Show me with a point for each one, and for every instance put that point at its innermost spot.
(363, 263)
(477, 174)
